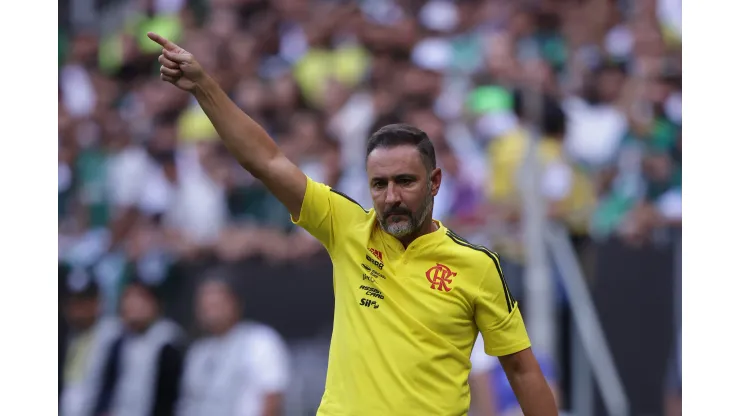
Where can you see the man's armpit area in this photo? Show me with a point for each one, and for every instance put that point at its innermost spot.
(316, 212)
(305, 204)
(316, 204)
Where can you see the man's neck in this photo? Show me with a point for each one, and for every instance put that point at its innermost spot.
(428, 227)
(225, 329)
(139, 330)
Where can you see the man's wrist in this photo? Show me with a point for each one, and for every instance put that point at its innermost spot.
(204, 87)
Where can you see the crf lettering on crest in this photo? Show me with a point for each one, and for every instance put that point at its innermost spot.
(440, 276)
(377, 253)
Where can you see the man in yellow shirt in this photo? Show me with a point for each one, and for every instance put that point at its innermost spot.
(410, 295)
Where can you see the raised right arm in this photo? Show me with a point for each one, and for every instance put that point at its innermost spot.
(243, 137)
(252, 147)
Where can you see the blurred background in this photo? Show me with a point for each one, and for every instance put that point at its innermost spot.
(184, 287)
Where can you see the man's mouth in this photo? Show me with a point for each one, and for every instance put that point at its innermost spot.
(396, 214)
(397, 217)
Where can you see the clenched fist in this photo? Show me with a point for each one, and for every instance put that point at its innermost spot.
(179, 67)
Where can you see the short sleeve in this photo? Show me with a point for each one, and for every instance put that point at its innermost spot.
(325, 212)
(269, 361)
(498, 317)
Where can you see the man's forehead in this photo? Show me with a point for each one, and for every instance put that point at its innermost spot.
(214, 286)
(395, 160)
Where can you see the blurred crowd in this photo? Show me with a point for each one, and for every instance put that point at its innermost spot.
(136, 364)
(144, 181)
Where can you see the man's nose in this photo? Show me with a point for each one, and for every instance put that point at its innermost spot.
(392, 195)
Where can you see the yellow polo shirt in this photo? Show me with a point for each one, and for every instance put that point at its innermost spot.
(405, 320)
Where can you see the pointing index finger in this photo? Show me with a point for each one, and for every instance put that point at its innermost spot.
(162, 41)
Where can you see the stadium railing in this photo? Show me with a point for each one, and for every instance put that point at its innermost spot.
(591, 355)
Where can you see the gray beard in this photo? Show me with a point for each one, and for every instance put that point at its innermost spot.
(401, 230)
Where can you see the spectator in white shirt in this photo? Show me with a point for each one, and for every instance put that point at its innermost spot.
(240, 368)
(82, 346)
(596, 123)
(143, 366)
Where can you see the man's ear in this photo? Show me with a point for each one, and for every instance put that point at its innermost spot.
(436, 180)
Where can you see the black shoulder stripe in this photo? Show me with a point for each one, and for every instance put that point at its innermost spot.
(342, 194)
(461, 241)
(494, 257)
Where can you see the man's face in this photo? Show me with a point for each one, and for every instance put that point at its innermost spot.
(81, 312)
(402, 190)
(138, 308)
(216, 307)
(419, 83)
(610, 84)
